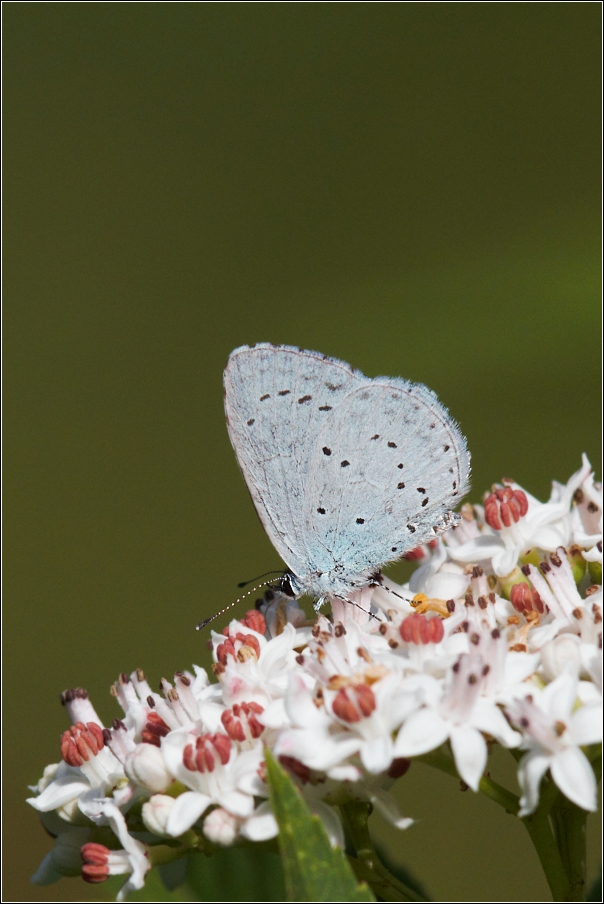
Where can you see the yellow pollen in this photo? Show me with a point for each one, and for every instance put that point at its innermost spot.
(421, 603)
(245, 653)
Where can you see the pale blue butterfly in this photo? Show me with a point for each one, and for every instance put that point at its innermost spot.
(347, 473)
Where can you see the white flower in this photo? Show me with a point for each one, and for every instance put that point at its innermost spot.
(216, 773)
(371, 714)
(554, 732)
(313, 738)
(517, 522)
(132, 860)
(460, 715)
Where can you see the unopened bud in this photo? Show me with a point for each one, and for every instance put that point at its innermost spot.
(145, 766)
(559, 653)
(221, 827)
(155, 813)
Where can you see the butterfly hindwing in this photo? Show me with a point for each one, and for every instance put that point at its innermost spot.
(397, 464)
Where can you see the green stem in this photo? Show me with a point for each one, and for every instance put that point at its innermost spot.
(539, 828)
(537, 824)
(569, 827)
(367, 865)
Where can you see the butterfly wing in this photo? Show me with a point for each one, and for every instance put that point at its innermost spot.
(276, 400)
(397, 464)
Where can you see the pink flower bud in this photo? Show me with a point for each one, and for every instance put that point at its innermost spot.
(221, 827)
(155, 813)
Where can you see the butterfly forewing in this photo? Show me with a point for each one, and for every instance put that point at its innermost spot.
(276, 399)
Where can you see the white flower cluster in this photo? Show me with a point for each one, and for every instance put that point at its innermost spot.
(497, 637)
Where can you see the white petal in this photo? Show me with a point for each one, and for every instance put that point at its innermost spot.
(592, 555)
(470, 752)
(477, 550)
(345, 773)
(187, 809)
(423, 731)
(236, 803)
(386, 805)
(262, 825)
(550, 536)
(573, 774)
(519, 666)
(503, 562)
(377, 754)
(446, 585)
(490, 719)
(531, 770)
(558, 697)
(300, 707)
(273, 655)
(316, 749)
(585, 724)
(59, 792)
(274, 716)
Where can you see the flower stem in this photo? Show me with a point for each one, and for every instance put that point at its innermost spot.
(569, 828)
(367, 865)
(539, 828)
(537, 825)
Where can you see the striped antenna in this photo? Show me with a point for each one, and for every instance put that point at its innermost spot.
(352, 603)
(230, 606)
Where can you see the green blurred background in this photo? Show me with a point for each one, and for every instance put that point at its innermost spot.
(412, 187)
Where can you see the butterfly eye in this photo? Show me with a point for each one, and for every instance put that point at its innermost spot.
(285, 586)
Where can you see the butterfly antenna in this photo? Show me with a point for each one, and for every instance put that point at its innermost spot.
(230, 606)
(257, 578)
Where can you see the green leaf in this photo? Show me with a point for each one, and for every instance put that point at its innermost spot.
(313, 870)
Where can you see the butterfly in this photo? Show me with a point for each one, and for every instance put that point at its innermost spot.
(347, 473)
